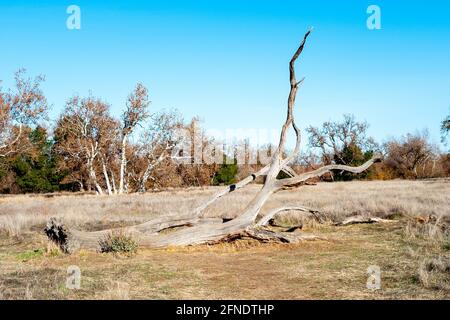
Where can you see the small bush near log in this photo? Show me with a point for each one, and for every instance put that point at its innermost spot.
(118, 242)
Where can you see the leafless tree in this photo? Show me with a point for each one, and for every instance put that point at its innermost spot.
(156, 144)
(86, 131)
(334, 137)
(210, 230)
(411, 156)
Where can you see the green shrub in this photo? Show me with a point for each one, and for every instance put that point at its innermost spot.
(118, 242)
(226, 174)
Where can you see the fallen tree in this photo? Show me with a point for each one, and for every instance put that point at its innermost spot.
(195, 229)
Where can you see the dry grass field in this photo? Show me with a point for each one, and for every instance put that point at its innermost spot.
(412, 252)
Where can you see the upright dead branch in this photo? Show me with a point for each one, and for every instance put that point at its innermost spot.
(197, 229)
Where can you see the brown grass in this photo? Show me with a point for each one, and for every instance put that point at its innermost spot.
(413, 257)
(337, 200)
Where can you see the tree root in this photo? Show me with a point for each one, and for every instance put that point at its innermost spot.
(266, 235)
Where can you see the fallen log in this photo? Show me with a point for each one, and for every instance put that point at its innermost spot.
(195, 229)
(362, 219)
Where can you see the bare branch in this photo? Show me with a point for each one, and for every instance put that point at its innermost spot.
(289, 171)
(321, 171)
(203, 230)
(269, 216)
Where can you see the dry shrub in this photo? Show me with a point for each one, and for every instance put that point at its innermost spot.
(13, 225)
(434, 273)
(430, 229)
(52, 249)
(118, 242)
(432, 236)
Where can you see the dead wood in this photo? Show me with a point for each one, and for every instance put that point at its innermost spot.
(194, 229)
(362, 219)
(307, 212)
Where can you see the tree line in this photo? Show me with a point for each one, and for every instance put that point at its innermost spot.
(88, 149)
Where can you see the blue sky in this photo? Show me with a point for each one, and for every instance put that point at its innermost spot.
(227, 61)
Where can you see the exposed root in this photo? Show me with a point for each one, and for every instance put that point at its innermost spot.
(58, 233)
(267, 235)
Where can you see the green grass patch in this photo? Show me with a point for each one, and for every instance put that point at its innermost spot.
(30, 254)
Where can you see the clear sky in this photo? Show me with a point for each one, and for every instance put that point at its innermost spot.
(227, 61)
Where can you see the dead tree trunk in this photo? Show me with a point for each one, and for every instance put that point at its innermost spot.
(201, 230)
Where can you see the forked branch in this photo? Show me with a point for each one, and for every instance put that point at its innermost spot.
(194, 229)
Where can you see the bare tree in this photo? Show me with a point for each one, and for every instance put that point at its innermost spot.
(85, 131)
(156, 145)
(24, 106)
(412, 156)
(210, 230)
(333, 138)
(344, 142)
(136, 112)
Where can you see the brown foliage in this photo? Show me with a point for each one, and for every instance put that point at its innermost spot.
(24, 106)
(412, 157)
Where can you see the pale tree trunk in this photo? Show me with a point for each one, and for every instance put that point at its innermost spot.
(93, 177)
(123, 164)
(148, 171)
(201, 230)
(105, 175)
(113, 180)
(90, 163)
(144, 179)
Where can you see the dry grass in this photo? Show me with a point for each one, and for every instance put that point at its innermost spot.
(333, 269)
(414, 257)
(378, 198)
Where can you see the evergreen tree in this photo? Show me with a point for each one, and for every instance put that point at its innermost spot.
(36, 170)
(226, 174)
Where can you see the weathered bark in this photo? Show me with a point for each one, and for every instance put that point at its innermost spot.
(321, 171)
(362, 219)
(106, 176)
(289, 171)
(199, 230)
(148, 171)
(231, 188)
(318, 216)
(93, 176)
(270, 236)
(123, 164)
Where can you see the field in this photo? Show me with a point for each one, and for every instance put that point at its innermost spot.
(413, 253)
